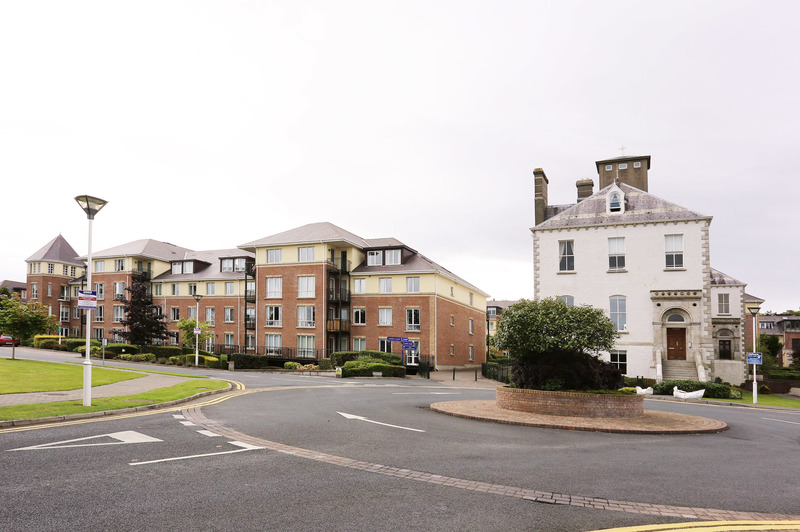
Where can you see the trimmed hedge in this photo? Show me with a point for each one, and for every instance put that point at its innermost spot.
(143, 357)
(713, 390)
(121, 349)
(361, 368)
(341, 357)
(783, 374)
(292, 365)
(165, 351)
(325, 364)
(249, 361)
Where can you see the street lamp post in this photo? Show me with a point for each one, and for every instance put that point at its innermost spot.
(90, 206)
(754, 311)
(197, 298)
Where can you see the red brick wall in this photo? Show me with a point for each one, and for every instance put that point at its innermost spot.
(570, 404)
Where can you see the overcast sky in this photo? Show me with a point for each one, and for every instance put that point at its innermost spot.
(211, 124)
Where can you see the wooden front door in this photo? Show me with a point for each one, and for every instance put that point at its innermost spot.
(676, 344)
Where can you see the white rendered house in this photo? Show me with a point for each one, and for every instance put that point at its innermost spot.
(646, 261)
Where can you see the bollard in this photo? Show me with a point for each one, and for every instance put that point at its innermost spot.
(476, 374)
(454, 373)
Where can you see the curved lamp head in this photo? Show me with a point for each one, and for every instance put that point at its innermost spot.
(198, 297)
(90, 205)
(754, 310)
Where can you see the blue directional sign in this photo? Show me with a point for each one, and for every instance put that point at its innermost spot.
(394, 338)
(754, 358)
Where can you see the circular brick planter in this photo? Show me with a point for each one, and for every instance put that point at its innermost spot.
(570, 404)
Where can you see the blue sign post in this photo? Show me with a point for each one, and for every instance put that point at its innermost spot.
(755, 359)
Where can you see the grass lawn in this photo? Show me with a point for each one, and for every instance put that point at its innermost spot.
(763, 399)
(23, 376)
(162, 395)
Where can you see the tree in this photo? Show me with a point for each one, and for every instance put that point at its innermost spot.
(186, 327)
(143, 319)
(555, 346)
(23, 320)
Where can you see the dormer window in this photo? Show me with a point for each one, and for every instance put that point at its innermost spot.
(374, 258)
(615, 203)
(615, 200)
(177, 267)
(392, 256)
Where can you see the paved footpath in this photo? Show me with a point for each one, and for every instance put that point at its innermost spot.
(129, 387)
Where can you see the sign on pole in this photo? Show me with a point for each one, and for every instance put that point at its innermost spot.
(197, 330)
(754, 358)
(394, 338)
(87, 299)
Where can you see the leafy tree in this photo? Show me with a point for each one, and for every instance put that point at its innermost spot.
(555, 346)
(186, 327)
(770, 344)
(142, 318)
(23, 320)
(4, 291)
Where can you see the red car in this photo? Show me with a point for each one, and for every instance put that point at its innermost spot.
(6, 339)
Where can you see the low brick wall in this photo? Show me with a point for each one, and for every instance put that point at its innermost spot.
(570, 404)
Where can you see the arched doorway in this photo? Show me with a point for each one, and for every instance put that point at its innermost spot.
(676, 336)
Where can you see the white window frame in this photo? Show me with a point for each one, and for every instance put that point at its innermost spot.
(623, 166)
(619, 359)
(211, 289)
(568, 300)
(616, 253)
(306, 316)
(274, 287)
(359, 285)
(227, 265)
(211, 316)
(471, 326)
(306, 286)
(174, 313)
(566, 255)
(305, 254)
(413, 319)
(724, 303)
(177, 268)
(228, 315)
(618, 312)
(385, 316)
(229, 288)
(272, 315)
(393, 257)
(228, 339)
(274, 256)
(359, 316)
(272, 343)
(374, 258)
(119, 265)
(412, 285)
(119, 313)
(176, 289)
(305, 346)
(385, 285)
(359, 344)
(673, 250)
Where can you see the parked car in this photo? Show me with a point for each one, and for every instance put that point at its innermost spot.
(7, 339)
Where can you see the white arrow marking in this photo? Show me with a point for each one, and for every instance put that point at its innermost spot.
(244, 447)
(121, 438)
(361, 418)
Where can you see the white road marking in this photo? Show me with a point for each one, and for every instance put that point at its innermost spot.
(245, 447)
(178, 416)
(188, 424)
(121, 438)
(781, 421)
(426, 393)
(361, 418)
(207, 433)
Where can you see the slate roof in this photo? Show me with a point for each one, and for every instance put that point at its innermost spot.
(501, 304)
(308, 234)
(147, 248)
(719, 278)
(328, 232)
(13, 286)
(640, 207)
(212, 271)
(57, 250)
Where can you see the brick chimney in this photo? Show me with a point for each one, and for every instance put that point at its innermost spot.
(585, 189)
(540, 183)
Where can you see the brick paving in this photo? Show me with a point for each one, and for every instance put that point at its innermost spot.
(195, 415)
(651, 422)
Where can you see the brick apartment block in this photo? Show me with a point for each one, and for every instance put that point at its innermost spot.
(303, 293)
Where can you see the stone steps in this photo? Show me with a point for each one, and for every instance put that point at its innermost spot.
(679, 370)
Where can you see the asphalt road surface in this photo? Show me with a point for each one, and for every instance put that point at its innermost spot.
(315, 453)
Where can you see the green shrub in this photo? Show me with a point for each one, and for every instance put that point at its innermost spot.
(627, 390)
(40, 338)
(162, 360)
(763, 389)
(119, 349)
(784, 374)
(291, 365)
(249, 361)
(362, 368)
(47, 344)
(139, 357)
(72, 343)
(166, 351)
(202, 360)
(713, 390)
(634, 381)
(325, 364)
(340, 357)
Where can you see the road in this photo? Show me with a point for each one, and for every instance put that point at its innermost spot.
(281, 456)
